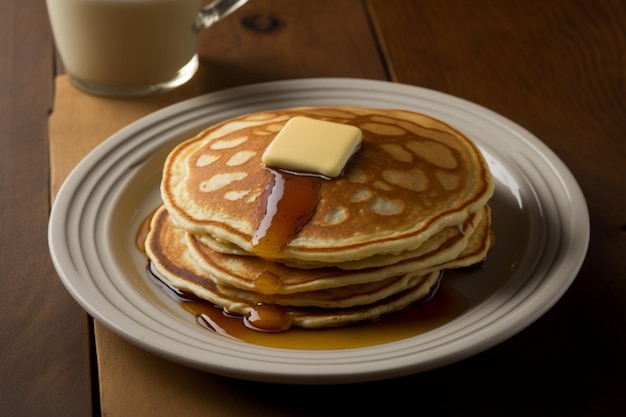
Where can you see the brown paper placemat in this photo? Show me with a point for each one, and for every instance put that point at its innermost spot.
(133, 382)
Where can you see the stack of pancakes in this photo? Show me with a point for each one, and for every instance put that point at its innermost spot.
(410, 203)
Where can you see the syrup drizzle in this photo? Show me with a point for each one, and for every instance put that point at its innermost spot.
(266, 282)
(267, 318)
(288, 203)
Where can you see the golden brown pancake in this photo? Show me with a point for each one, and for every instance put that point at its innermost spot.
(409, 204)
(412, 177)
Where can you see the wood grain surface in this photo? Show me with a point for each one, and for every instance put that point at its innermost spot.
(556, 67)
(45, 348)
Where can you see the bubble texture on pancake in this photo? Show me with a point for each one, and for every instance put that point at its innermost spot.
(412, 177)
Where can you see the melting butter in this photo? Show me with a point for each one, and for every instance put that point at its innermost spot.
(313, 146)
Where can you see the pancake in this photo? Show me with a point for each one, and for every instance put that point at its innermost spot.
(445, 245)
(166, 247)
(412, 177)
(410, 203)
(242, 271)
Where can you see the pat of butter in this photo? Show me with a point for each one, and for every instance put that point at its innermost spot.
(313, 146)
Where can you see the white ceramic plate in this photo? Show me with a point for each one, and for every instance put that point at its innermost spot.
(540, 219)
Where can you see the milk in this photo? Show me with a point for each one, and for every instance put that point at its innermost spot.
(124, 43)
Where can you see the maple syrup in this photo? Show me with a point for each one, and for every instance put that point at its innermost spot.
(266, 282)
(267, 318)
(288, 202)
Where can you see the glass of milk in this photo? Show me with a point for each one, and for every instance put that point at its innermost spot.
(126, 48)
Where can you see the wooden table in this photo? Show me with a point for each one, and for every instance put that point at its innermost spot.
(556, 67)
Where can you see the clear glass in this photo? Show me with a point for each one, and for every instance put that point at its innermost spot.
(129, 48)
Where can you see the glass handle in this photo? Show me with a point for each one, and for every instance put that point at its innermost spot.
(215, 11)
